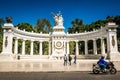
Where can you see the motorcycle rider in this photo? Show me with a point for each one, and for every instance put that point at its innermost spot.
(102, 63)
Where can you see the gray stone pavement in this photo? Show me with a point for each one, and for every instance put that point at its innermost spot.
(57, 76)
(48, 66)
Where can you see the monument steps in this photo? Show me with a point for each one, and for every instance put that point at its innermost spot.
(87, 56)
(34, 57)
(49, 57)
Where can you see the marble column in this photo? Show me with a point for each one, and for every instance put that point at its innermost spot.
(16, 46)
(31, 48)
(49, 47)
(86, 47)
(68, 52)
(95, 47)
(23, 47)
(64, 47)
(77, 49)
(40, 48)
(102, 46)
(52, 47)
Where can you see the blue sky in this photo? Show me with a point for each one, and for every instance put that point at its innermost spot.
(87, 10)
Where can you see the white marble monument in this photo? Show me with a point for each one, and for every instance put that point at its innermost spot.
(58, 41)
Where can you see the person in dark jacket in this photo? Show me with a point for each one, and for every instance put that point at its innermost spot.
(65, 60)
(70, 59)
(75, 59)
(102, 63)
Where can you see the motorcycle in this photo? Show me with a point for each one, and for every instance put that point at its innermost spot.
(109, 68)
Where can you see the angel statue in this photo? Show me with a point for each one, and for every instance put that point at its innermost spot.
(58, 19)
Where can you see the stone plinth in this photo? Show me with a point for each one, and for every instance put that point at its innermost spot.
(4, 57)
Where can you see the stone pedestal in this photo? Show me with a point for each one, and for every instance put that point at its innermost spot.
(112, 42)
(6, 57)
(115, 56)
(7, 42)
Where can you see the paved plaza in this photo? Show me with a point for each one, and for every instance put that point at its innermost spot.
(48, 66)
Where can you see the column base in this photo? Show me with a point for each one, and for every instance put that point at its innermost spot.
(115, 56)
(6, 57)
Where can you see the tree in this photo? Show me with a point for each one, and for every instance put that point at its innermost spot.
(77, 26)
(72, 47)
(28, 27)
(117, 20)
(97, 24)
(1, 24)
(43, 25)
(1, 32)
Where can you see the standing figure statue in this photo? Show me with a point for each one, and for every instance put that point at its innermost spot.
(58, 19)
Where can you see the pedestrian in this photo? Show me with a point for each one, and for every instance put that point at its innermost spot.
(65, 60)
(18, 56)
(75, 59)
(70, 59)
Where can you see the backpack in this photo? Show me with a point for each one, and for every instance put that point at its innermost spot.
(65, 57)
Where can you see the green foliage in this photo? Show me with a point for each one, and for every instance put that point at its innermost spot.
(98, 24)
(36, 48)
(27, 47)
(72, 47)
(1, 40)
(77, 26)
(43, 25)
(81, 47)
(1, 33)
(25, 26)
(118, 44)
(19, 46)
(45, 48)
(90, 47)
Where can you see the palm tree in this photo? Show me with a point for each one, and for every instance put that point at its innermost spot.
(77, 25)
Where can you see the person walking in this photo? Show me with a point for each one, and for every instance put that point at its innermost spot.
(75, 59)
(65, 60)
(70, 59)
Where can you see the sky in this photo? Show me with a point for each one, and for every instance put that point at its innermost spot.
(31, 10)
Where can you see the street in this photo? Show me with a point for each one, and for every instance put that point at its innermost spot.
(57, 76)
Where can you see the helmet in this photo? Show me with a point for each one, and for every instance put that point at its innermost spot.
(102, 57)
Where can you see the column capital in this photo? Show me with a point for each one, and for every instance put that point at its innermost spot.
(23, 39)
(40, 41)
(67, 41)
(77, 41)
(85, 40)
(49, 41)
(94, 39)
(32, 40)
(15, 38)
(102, 38)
